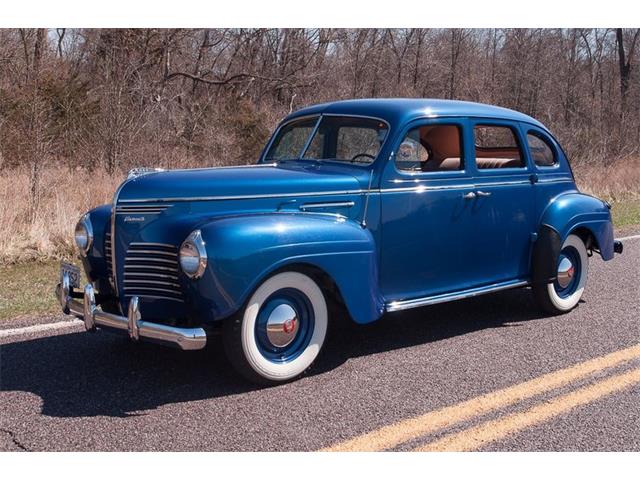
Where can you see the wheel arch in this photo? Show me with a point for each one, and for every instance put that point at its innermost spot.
(583, 215)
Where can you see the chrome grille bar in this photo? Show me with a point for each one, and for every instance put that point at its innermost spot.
(145, 259)
(151, 270)
(107, 254)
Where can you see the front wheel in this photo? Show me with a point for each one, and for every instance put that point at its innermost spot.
(565, 291)
(281, 330)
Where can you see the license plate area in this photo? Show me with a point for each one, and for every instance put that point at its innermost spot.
(72, 272)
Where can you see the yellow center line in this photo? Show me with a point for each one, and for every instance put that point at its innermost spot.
(392, 435)
(475, 437)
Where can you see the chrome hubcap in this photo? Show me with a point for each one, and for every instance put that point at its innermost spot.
(566, 271)
(282, 325)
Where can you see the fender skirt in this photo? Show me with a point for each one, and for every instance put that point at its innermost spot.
(544, 256)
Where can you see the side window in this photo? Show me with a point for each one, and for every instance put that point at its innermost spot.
(540, 150)
(497, 147)
(431, 148)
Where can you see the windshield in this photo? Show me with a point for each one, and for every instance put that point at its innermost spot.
(343, 139)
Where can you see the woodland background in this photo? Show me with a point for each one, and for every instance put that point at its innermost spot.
(79, 107)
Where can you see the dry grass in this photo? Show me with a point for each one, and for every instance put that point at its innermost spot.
(65, 196)
(68, 194)
(617, 182)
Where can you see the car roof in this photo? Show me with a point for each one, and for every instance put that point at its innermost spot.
(401, 110)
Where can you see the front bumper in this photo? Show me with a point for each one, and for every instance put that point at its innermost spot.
(138, 329)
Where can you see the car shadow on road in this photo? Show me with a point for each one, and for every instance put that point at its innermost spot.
(79, 374)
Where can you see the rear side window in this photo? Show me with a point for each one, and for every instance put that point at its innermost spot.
(541, 152)
(497, 147)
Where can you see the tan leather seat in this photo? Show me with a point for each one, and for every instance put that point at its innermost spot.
(444, 141)
(498, 163)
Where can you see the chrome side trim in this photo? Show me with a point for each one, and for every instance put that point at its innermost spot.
(449, 297)
(424, 188)
(503, 184)
(555, 180)
(148, 206)
(245, 197)
(224, 167)
(139, 212)
(311, 206)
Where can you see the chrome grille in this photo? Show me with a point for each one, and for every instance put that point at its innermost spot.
(151, 270)
(107, 253)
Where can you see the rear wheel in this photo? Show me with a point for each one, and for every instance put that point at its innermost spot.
(565, 291)
(281, 330)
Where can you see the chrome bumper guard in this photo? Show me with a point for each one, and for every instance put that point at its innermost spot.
(138, 329)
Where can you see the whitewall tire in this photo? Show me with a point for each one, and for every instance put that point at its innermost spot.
(564, 293)
(281, 330)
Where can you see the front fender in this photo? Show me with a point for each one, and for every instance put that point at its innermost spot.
(243, 250)
(565, 214)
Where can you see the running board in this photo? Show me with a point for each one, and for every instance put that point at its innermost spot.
(449, 297)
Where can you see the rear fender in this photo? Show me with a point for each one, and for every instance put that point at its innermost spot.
(566, 214)
(244, 250)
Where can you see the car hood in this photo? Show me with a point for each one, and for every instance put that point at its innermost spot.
(237, 182)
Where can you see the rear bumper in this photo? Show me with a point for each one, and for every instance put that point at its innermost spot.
(138, 329)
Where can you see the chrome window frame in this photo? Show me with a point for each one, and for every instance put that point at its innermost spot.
(520, 138)
(403, 176)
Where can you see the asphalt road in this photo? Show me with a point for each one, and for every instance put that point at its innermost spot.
(490, 373)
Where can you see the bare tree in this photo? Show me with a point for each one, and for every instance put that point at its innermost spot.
(624, 62)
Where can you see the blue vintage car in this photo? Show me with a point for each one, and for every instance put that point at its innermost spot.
(361, 206)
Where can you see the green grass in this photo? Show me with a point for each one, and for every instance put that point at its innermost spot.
(626, 212)
(27, 288)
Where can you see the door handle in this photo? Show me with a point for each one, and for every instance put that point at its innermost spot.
(469, 196)
(483, 194)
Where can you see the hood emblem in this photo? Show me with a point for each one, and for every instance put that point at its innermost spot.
(130, 218)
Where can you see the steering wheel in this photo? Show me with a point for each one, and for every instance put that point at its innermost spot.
(353, 159)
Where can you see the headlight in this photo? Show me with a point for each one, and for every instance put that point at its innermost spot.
(193, 256)
(84, 235)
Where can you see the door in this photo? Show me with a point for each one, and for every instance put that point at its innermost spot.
(425, 208)
(503, 210)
